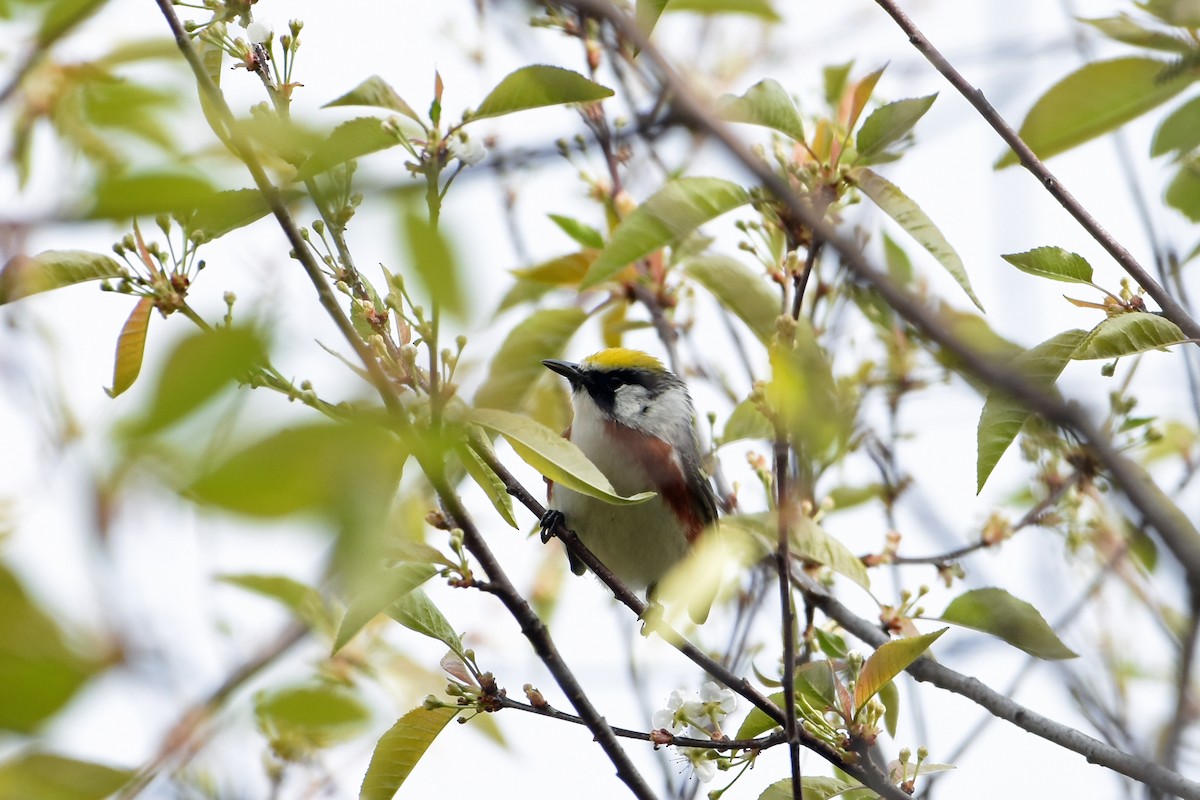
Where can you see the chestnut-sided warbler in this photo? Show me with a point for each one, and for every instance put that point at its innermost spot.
(633, 420)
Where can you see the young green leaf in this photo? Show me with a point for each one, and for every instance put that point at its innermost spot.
(1127, 334)
(1179, 132)
(377, 92)
(517, 364)
(739, 289)
(584, 235)
(670, 215)
(303, 600)
(888, 124)
(376, 593)
(1095, 99)
(131, 344)
(887, 662)
(889, 695)
(852, 105)
(316, 468)
(754, 8)
(435, 264)
(33, 774)
(228, 211)
(647, 13)
(352, 139)
(1054, 263)
(768, 104)
(317, 714)
(198, 368)
(746, 421)
(538, 86)
(488, 481)
(997, 612)
(415, 611)
(1124, 28)
(1183, 193)
(552, 455)
(566, 270)
(123, 196)
(909, 215)
(811, 542)
(399, 750)
(1003, 416)
(812, 787)
(61, 16)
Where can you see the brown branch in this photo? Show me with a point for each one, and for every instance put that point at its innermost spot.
(926, 670)
(1171, 308)
(865, 772)
(655, 737)
(784, 508)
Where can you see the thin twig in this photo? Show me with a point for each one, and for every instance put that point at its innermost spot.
(784, 508)
(1171, 308)
(1003, 707)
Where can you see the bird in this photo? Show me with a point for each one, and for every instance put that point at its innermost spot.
(633, 419)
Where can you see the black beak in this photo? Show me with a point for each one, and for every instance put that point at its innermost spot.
(565, 368)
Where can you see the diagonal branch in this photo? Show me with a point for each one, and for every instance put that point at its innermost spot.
(1172, 309)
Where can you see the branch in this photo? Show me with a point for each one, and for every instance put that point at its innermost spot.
(1173, 527)
(1171, 308)
(929, 671)
(539, 636)
(658, 738)
(865, 772)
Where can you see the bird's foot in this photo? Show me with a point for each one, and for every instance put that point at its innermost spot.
(550, 520)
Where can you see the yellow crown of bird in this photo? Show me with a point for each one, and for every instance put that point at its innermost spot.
(623, 358)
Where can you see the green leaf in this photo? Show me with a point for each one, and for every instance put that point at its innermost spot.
(131, 344)
(1003, 415)
(300, 598)
(768, 104)
(125, 196)
(377, 92)
(1096, 99)
(997, 612)
(805, 398)
(673, 213)
(812, 787)
(34, 774)
(376, 593)
(415, 611)
(811, 542)
(585, 235)
(909, 216)
(54, 269)
(228, 211)
(1127, 334)
(197, 369)
(746, 421)
(831, 644)
(63, 15)
(435, 264)
(552, 455)
(1054, 263)
(488, 481)
(39, 670)
(889, 695)
(517, 365)
(1124, 28)
(1179, 132)
(741, 290)
(318, 467)
(1177, 13)
(1183, 193)
(566, 270)
(352, 139)
(318, 714)
(399, 750)
(888, 124)
(887, 662)
(754, 8)
(538, 86)
(647, 13)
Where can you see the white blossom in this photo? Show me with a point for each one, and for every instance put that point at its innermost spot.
(669, 717)
(469, 151)
(259, 32)
(719, 702)
(704, 766)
